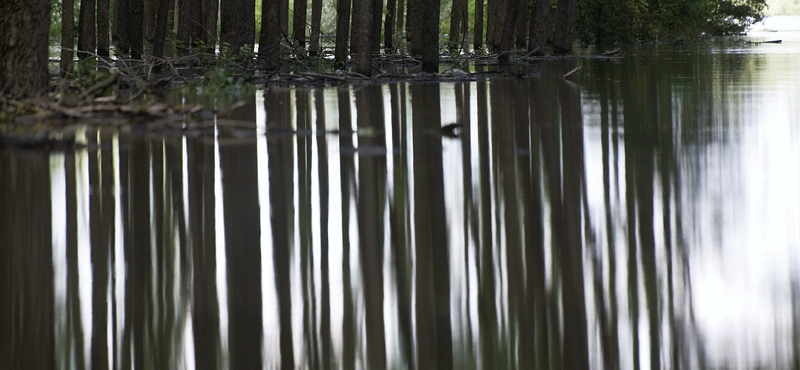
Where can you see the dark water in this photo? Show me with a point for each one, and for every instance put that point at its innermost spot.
(644, 216)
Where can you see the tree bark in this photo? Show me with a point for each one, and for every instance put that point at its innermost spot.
(522, 23)
(87, 36)
(537, 37)
(316, 22)
(24, 29)
(161, 28)
(103, 39)
(270, 38)
(414, 28)
(426, 40)
(210, 15)
(190, 20)
(67, 36)
(237, 24)
(299, 24)
(362, 34)
(565, 31)
(121, 27)
(375, 38)
(458, 20)
(136, 8)
(477, 41)
(502, 33)
(342, 31)
(388, 24)
(399, 28)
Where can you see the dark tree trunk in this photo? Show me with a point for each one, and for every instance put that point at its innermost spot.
(270, 38)
(209, 14)
(67, 36)
(375, 37)
(537, 37)
(237, 24)
(136, 8)
(299, 25)
(161, 28)
(426, 17)
(362, 35)
(522, 23)
(190, 20)
(121, 27)
(388, 24)
(342, 31)
(458, 20)
(565, 29)
(477, 41)
(502, 33)
(400, 15)
(24, 28)
(150, 21)
(491, 14)
(103, 40)
(414, 28)
(316, 22)
(283, 15)
(87, 36)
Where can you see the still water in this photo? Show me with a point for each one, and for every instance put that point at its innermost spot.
(645, 215)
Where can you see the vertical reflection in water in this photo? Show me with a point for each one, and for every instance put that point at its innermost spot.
(347, 178)
(73, 314)
(27, 337)
(487, 310)
(575, 327)
(238, 162)
(324, 211)
(305, 242)
(433, 326)
(371, 201)
(399, 221)
(534, 321)
(101, 210)
(281, 177)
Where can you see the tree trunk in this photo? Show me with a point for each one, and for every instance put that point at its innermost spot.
(161, 28)
(67, 36)
(283, 15)
(477, 41)
(24, 29)
(459, 12)
(377, 12)
(190, 19)
(269, 41)
(502, 33)
(399, 28)
(87, 36)
(150, 16)
(426, 16)
(316, 21)
(238, 24)
(121, 27)
(342, 31)
(210, 15)
(413, 28)
(362, 34)
(565, 29)
(103, 41)
(299, 25)
(136, 28)
(522, 24)
(388, 24)
(537, 38)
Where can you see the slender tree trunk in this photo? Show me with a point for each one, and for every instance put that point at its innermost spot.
(24, 28)
(522, 23)
(459, 13)
(67, 36)
(565, 29)
(136, 28)
(210, 15)
(342, 31)
(103, 41)
(399, 27)
(362, 33)
(190, 20)
(283, 14)
(537, 37)
(161, 28)
(122, 26)
(426, 16)
(299, 25)
(388, 24)
(238, 24)
(150, 21)
(501, 35)
(491, 21)
(477, 41)
(87, 36)
(270, 38)
(375, 37)
(414, 27)
(316, 22)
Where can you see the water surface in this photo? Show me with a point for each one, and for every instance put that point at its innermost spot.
(644, 214)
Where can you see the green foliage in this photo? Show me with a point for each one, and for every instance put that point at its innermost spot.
(621, 21)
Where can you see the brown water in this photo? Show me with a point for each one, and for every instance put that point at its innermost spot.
(645, 215)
